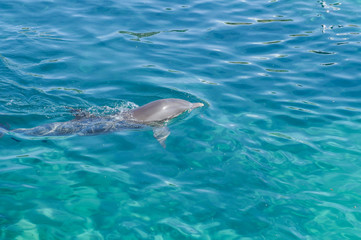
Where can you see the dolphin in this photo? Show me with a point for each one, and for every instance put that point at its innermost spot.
(155, 114)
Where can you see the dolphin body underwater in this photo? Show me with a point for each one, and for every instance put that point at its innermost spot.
(155, 114)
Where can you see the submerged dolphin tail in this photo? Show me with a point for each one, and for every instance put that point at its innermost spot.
(3, 130)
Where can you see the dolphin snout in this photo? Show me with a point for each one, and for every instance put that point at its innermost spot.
(197, 105)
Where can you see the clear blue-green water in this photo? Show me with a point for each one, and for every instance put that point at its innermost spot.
(274, 154)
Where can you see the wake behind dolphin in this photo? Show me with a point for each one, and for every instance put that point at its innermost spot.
(155, 114)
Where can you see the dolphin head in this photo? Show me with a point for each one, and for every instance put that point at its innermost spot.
(163, 110)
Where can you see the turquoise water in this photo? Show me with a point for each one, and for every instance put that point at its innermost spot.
(274, 154)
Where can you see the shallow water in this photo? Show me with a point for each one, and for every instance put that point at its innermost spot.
(275, 154)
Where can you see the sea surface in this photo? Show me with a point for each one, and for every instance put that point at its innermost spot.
(275, 153)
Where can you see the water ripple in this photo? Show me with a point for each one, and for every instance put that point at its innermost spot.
(274, 154)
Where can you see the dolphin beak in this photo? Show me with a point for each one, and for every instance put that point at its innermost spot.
(197, 105)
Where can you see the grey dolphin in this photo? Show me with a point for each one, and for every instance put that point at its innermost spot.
(155, 114)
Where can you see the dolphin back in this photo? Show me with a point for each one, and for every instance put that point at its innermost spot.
(86, 126)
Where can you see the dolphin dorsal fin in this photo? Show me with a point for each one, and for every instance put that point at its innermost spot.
(79, 113)
(161, 133)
